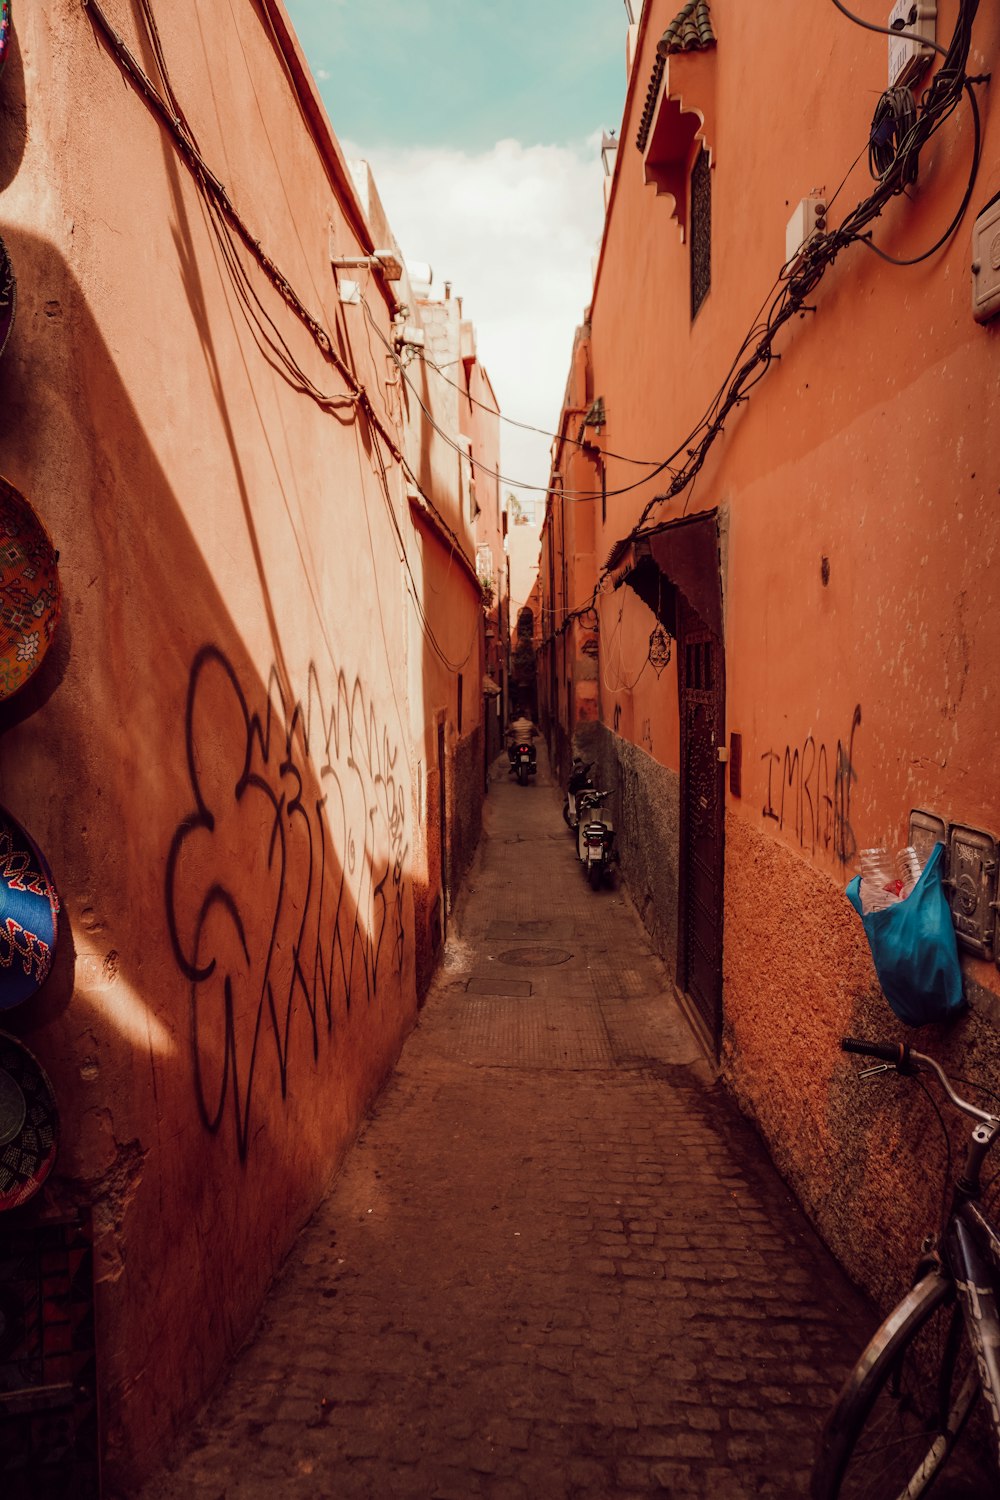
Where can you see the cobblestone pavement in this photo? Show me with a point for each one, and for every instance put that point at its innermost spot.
(557, 1263)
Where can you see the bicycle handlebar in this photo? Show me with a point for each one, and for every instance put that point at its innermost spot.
(897, 1053)
(905, 1060)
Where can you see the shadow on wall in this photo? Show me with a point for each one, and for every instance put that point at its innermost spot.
(232, 852)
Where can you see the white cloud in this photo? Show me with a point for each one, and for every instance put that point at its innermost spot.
(515, 230)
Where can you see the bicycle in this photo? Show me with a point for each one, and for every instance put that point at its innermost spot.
(909, 1399)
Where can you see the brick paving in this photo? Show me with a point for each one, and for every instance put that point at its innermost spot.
(557, 1262)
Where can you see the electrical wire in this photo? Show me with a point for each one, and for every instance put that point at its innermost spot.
(915, 260)
(460, 448)
(647, 463)
(801, 276)
(622, 681)
(796, 284)
(227, 225)
(894, 31)
(575, 496)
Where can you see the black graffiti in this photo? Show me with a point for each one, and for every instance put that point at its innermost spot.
(285, 882)
(813, 794)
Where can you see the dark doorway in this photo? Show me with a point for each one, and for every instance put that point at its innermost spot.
(443, 819)
(701, 684)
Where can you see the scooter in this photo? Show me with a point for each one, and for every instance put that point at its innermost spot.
(523, 759)
(595, 835)
(580, 780)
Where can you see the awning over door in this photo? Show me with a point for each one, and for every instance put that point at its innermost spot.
(680, 555)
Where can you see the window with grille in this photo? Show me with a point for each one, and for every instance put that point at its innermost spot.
(701, 230)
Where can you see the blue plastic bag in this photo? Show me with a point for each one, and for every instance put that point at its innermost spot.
(914, 948)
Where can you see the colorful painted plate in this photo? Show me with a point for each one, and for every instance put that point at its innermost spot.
(30, 594)
(29, 1124)
(29, 914)
(8, 296)
(4, 31)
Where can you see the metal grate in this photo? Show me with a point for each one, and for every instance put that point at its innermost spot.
(701, 230)
(48, 1384)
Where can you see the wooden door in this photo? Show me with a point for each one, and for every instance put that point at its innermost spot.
(701, 679)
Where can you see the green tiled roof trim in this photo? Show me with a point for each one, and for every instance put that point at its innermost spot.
(689, 31)
(645, 124)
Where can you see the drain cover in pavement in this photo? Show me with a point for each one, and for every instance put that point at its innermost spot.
(531, 957)
(498, 987)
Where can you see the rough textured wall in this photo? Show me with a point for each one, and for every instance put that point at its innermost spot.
(466, 806)
(215, 757)
(866, 1158)
(646, 811)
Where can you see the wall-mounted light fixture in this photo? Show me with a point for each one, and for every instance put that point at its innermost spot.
(386, 261)
(609, 152)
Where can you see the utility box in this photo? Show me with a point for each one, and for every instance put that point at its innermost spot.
(808, 219)
(909, 57)
(986, 264)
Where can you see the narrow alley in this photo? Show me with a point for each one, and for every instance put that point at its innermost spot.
(557, 1261)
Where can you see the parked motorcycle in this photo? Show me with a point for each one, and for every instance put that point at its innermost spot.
(580, 779)
(523, 759)
(595, 835)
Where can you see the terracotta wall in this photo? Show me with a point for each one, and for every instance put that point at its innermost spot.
(220, 754)
(856, 497)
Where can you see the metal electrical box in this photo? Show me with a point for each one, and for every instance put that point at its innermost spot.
(986, 264)
(808, 219)
(972, 887)
(908, 57)
(926, 830)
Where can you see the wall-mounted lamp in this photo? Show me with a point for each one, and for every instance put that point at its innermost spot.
(596, 415)
(385, 261)
(630, 11)
(609, 151)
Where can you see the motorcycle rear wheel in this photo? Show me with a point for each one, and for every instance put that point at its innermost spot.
(594, 873)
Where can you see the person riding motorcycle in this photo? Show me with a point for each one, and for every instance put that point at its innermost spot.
(520, 731)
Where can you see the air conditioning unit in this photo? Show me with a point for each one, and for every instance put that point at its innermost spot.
(808, 219)
(908, 57)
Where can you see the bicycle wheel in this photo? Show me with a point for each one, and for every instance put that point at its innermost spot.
(904, 1405)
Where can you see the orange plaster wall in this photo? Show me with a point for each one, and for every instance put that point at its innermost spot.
(216, 756)
(871, 445)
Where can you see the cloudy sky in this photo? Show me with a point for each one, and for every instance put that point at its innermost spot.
(482, 124)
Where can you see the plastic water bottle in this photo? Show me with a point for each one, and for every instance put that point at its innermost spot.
(909, 867)
(878, 883)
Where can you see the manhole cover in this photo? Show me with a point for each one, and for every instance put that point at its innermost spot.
(534, 957)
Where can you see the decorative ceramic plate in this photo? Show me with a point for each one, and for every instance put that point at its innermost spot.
(8, 294)
(30, 595)
(29, 914)
(4, 30)
(29, 1124)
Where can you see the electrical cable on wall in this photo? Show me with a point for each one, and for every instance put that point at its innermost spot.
(938, 102)
(799, 278)
(645, 463)
(225, 222)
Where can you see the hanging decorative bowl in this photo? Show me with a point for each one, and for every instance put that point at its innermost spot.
(8, 295)
(30, 594)
(29, 914)
(29, 1124)
(4, 30)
